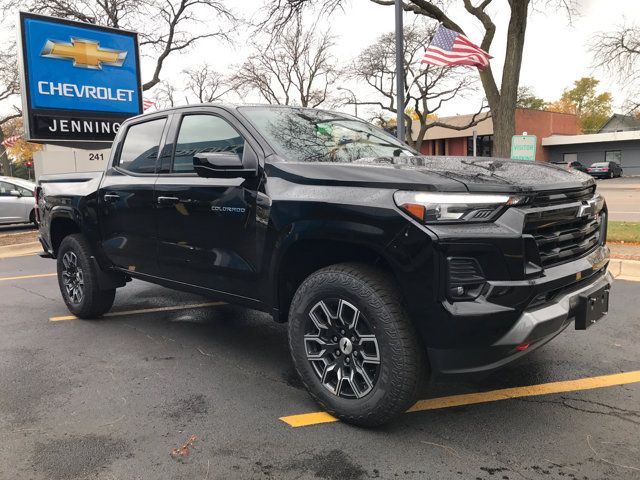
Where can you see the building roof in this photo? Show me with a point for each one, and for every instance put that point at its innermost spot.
(620, 123)
(484, 127)
(556, 140)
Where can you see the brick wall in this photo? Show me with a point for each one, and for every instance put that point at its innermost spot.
(544, 124)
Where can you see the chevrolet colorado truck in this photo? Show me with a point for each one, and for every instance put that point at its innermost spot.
(388, 266)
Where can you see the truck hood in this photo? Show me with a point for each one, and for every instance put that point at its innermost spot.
(443, 174)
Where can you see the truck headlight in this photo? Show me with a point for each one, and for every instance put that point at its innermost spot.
(431, 207)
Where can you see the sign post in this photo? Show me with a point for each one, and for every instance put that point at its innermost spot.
(79, 81)
(523, 147)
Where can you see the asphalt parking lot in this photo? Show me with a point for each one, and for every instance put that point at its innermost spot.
(112, 398)
(622, 197)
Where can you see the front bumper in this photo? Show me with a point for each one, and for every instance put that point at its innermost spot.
(534, 327)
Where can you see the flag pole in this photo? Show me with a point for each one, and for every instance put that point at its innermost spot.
(399, 71)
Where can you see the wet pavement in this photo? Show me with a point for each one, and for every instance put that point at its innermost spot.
(197, 393)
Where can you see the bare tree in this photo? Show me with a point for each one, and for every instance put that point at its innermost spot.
(427, 89)
(164, 95)
(206, 84)
(9, 91)
(502, 99)
(618, 53)
(295, 66)
(165, 26)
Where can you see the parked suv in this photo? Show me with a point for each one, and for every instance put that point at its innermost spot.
(574, 164)
(388, 266)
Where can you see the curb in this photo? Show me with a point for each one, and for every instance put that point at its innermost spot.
(20, 249)
(625, 269)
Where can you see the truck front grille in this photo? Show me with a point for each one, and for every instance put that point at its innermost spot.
(544, 199)
(561, 236)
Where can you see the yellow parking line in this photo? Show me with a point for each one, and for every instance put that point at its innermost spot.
(144, 310)
(306, 419)
(41, 275)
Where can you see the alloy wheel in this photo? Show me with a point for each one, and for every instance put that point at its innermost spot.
(342, 348)
(72, 277)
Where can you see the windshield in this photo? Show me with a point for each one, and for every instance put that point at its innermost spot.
(601, 164)
(308, 135)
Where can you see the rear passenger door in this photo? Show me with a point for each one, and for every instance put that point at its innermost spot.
(207, 226)
(127, 222)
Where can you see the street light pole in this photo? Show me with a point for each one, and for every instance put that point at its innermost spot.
(353, 96)
(399, 71)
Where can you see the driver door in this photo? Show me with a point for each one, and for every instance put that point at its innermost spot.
(207, 230)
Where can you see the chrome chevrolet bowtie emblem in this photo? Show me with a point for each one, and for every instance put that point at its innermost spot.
(346, 346)
(587, 208)
(84, 53)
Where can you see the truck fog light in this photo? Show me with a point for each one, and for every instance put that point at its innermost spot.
(466, 279)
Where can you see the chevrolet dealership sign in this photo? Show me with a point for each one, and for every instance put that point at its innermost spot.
(79, 81)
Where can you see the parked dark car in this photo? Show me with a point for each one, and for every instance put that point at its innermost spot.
(388, 266)
(605, 170)
(575, 165)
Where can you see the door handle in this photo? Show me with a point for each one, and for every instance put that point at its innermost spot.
(168, 200)
(111, 197)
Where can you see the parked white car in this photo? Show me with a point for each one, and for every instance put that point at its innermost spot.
(16, 200)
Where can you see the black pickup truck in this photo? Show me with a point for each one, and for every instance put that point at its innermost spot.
(388, 266)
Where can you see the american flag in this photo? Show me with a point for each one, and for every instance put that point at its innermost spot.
(11, 141)
(147, 104)
(453, 48)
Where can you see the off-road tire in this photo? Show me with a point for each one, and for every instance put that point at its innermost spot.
(32, 218)
(403, 363)
(94, 302)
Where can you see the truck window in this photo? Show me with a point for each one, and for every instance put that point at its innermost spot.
(140, 148)
(204, 133)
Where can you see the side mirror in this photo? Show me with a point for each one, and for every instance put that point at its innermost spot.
(15, 193)
(221, 165)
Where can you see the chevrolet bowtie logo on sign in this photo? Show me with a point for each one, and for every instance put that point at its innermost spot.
(79, 81)
(84, 53)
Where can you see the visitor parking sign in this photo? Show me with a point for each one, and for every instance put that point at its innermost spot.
(523, 147)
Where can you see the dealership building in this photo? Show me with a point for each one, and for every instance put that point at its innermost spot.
(558, 138)
(617, 141)
(446, 141)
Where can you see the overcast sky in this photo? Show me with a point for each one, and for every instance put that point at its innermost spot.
(556, 52)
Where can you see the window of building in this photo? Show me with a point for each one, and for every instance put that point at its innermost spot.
(613, 156)
(484, 145)
(140, 148)
(204, 133)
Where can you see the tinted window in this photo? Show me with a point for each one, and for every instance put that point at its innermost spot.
(140, 147)
(204, 133)
(308, 135)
